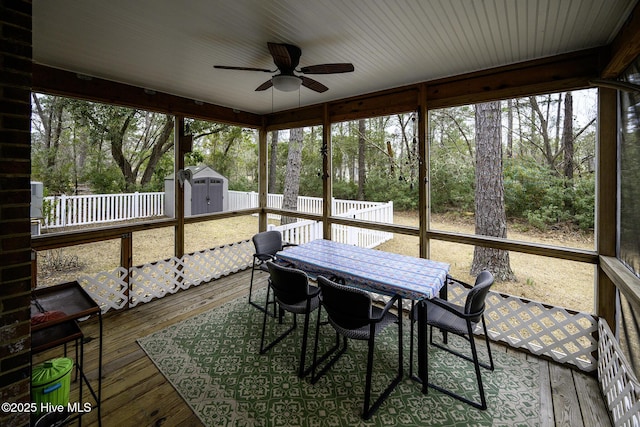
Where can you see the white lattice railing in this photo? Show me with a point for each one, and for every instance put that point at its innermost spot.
(563, 335)
(619, 385)
(160, 278)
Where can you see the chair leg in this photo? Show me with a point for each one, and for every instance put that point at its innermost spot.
(303, 351)
(316, 362)
(264, 348)
(486, 339)
(253, 270)
(476, 364)
(369, 411)
(253, 303)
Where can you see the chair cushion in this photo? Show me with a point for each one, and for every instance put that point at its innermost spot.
(363, 332)
(300, 307)
(445, 320)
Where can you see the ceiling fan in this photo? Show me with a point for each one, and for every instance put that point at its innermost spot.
(286, 57)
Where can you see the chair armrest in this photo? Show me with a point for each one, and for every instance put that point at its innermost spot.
(453, 308)
(288, 245)
(314, 292)
(264, 257)
(448, 306)
(387, 307)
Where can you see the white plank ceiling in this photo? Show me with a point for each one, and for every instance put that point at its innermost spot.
(171, 46)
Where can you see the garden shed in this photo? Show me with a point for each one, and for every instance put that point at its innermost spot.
(206, 191)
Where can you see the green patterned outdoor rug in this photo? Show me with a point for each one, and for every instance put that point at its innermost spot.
(213, 361)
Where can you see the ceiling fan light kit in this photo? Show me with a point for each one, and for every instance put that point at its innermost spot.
(286, 57)
(286, 83)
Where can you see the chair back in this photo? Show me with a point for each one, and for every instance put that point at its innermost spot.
(476, 297)
(267, 242)
(289, 285)
(347, 307)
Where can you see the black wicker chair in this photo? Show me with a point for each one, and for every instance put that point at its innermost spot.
(352, 315)
(267, 244)
(461, 321)
(293, 294)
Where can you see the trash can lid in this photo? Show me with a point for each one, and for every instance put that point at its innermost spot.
(51, 370)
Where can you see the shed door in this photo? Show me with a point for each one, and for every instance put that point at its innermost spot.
(215, 195)
(199, 196)
(206, 196)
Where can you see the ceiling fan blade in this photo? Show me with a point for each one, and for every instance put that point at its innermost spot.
(344, 67)
(285, 56)
(264, 86)
(226, 67)
(313, 84)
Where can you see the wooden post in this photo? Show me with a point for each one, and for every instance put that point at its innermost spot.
(126, 261)
(327, 189)
(34, 269)
(262, 178)
(178, 133)
(423, 173)
(606, 193)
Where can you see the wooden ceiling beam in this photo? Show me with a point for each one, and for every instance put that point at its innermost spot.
(59, 82)
(553, 74)
(625, 48)
(558, 73)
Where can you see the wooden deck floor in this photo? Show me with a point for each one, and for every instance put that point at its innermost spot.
(135, 393)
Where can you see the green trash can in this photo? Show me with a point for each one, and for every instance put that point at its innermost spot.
(51, 382)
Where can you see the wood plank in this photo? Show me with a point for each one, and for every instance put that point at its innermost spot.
(201, 298)
(393, 101)
(622, 277)
(136, 393)
(625, 48)
(607, 219)
(552, 74)
(65, 83)
(546, 400)
(592, 404)
(566, 407)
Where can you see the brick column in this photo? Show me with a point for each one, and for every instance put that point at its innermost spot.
(15, 196)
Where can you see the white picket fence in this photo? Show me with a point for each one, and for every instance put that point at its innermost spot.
(303, 231)
(246, 200)
(64, 211)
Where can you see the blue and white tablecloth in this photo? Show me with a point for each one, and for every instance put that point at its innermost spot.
(369, 269)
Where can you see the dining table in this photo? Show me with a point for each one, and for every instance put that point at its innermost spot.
(375, 271)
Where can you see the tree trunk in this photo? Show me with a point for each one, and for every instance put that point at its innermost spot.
(273, 162)
(292, 177)
(567, 136)
(116, 136)
(51, 117)
(543, 131)
(163, 144)
(489, 196)
(509, 128)
(361, 159)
